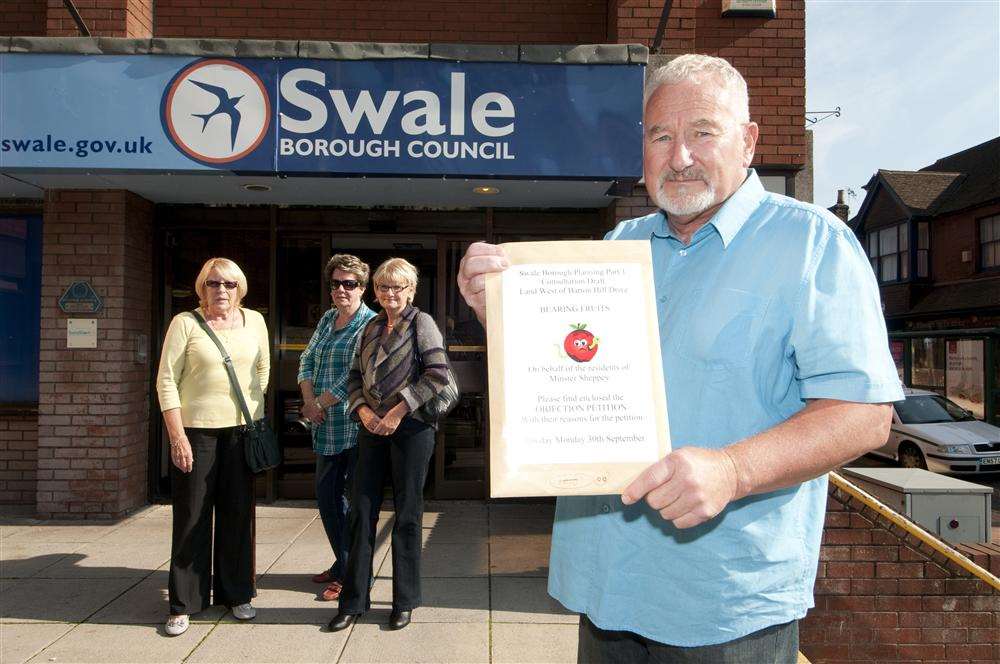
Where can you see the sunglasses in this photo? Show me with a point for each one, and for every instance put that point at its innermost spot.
(391, 288)
(348, 284)
(212, 283)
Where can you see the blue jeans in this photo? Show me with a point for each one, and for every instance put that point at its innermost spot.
(333, 482)
(778, 644)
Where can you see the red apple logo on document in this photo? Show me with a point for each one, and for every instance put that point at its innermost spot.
(580, 344)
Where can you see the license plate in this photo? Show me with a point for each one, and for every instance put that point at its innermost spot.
(990, 461)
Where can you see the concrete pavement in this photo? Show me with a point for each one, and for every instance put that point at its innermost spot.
(91, 592)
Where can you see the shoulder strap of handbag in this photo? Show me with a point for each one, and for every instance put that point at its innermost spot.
(233, 380)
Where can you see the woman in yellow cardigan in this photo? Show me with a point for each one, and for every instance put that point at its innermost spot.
(209, 472)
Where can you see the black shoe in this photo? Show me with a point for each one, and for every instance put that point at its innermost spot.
(399, 619)
(343, 621)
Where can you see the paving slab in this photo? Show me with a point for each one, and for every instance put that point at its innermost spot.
(128, 644)
(261, 643)
(55, 532)
(284, 530)
(509, 526)
(419, 643)
(449, 529)
(474, 509)
(23, 557)
(147, 603)
(534, 644)
(137, 530)
(448, 560)
(523, 511)
(58, 600)
(19, 643)
(289, 509)
(289, 599)
(108, 560)
(444, 601)
(309, 557)
(518, 600)
(519, 555)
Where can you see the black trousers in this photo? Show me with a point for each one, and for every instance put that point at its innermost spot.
(404, 456)
(778, 644)
(221, 482)
(333, 482)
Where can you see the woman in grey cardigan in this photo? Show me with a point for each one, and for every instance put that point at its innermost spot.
(400, 365)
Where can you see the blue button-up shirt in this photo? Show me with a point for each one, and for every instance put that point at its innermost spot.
(773, 302)
(326, 361)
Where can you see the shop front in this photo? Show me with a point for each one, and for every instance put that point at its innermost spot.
(279, 156)
(961, 365)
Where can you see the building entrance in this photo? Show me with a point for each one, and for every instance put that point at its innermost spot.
(283, 252)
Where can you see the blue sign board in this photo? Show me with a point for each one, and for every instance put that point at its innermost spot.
(343, 117)
(80, 298)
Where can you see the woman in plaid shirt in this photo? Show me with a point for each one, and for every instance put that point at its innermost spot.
(322, 378)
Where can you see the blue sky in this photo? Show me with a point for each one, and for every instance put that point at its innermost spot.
(915, 81)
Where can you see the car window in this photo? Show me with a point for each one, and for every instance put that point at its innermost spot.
(930, 409)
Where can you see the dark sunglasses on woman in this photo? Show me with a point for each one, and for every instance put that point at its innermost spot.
(348, 284)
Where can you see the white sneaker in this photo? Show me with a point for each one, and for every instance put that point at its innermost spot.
(244, 612)
(176, 625)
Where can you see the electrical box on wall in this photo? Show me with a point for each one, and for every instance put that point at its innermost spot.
(954, 510)
(966, 256)
(764, 8)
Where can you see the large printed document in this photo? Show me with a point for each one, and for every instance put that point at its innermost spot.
(577, 401)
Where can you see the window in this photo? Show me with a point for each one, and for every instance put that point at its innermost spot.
(923, 248)
(889, 252)
(20, 287)
(989, 242)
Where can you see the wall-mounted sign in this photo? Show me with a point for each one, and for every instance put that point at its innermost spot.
(80, 298)
(765, 8)
(81, 333)
(296, 116)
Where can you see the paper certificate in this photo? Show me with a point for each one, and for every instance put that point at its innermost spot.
(577, 402)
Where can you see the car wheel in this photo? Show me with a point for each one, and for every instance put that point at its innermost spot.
(910, 456)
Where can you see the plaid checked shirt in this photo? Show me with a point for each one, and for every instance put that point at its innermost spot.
(326, 361)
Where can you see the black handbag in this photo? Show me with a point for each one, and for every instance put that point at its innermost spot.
(260, 446)
(438, 406)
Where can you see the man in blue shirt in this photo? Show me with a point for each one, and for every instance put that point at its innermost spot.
(777, 370)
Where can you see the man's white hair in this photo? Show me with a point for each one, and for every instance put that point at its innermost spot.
(696, 68)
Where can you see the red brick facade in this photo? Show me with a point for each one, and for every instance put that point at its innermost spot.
(18, 458)
(22, 17)
(93, 410)
(770, 53)
(105, 18)
(440, 21)
(884, 595)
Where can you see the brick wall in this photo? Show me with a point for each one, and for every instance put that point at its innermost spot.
(950, 236)
(442, 21)
(93, 404)
(770, 54)
(882, 594)
(104, 18)
(18, 458)
(22, 17)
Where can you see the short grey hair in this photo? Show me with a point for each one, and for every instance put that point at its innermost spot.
(696, 67)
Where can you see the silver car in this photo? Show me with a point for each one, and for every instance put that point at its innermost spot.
(931, 432)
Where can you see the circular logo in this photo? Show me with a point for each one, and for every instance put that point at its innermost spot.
(216, 111)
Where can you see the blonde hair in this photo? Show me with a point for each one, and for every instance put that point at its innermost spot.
(348, 263)
(696, 67)
(229, 270)
(397, 270)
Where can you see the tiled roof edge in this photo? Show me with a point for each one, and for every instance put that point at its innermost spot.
(605, 54)
(853, 491)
